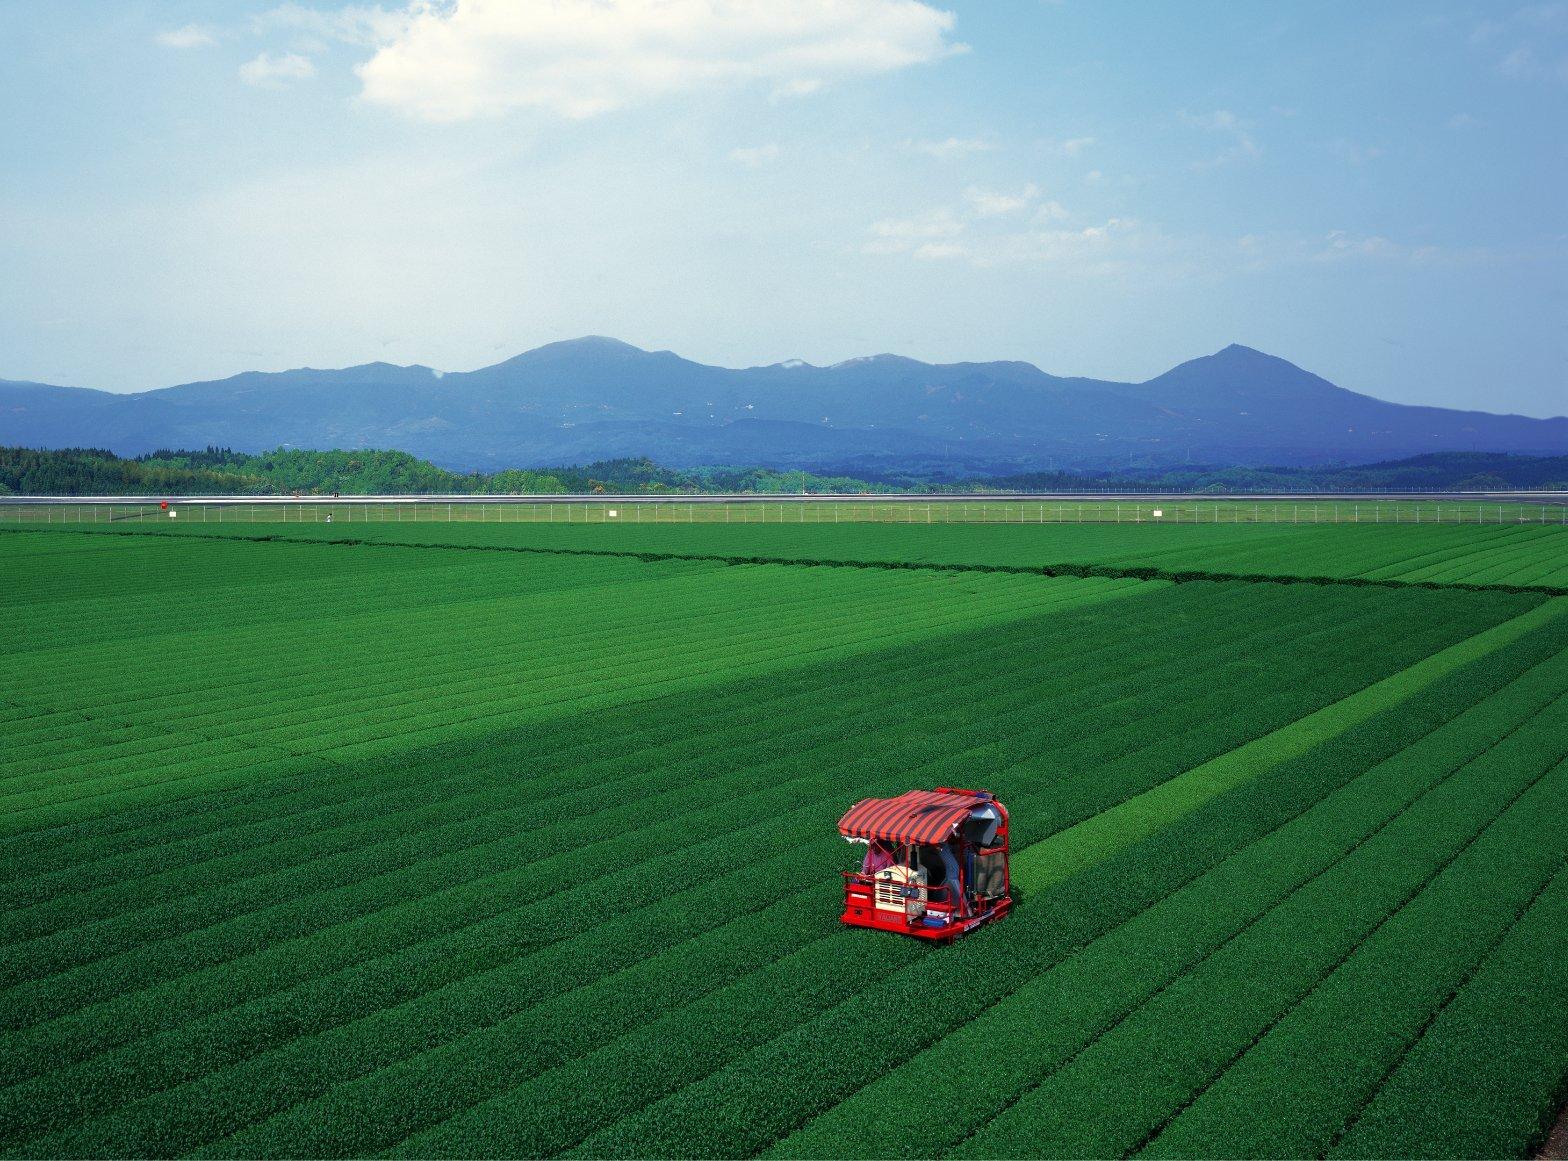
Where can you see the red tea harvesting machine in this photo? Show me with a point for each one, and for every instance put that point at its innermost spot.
(935, 864)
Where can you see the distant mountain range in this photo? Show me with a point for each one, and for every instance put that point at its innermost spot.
(598, 398)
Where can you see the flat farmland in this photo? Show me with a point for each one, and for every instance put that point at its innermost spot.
(468, 840)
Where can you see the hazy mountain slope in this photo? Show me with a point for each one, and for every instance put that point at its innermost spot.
(595, 398)
(1257, 400)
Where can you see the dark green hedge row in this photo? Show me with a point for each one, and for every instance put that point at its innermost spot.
(1067, 569)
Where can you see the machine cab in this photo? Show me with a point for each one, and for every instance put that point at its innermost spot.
(935, 864)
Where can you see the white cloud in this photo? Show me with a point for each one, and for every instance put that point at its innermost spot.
(272, 71)
(1118, 246)
(1524, 64)
(800, 87)
(1226, 123)
(1520, 63)
(1261, 251)
(190, 36)
(1338, 244)
(952, 147)
(755, 156)
(368, 27)
(1073, 146)
(989, 204)
(1551, 15)
(1531, 44)
(1107, 248)
(1220, 121)
(1485, 31)
(579, 58)
(1465, 121)
(901, 235)
(987, 231)
(1355, 154)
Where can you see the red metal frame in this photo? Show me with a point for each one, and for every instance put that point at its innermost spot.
(860, 909)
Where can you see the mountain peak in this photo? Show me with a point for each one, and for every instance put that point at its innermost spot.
(591, 344)
(588, 345)
(601, 342)
(588, 349)
(1237, 361)
(1239, 377)
(884, 360)
(1237, 353)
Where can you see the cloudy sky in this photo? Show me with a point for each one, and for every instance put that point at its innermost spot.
(1101, 187)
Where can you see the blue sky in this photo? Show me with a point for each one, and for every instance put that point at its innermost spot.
(1374, 191)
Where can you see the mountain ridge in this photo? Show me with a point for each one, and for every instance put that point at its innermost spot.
(597, 397)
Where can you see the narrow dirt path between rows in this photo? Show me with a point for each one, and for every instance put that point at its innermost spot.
(1555, 1147)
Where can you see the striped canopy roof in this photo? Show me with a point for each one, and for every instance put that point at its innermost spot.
(916, 816)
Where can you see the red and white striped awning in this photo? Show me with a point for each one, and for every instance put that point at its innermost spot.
(916, 816)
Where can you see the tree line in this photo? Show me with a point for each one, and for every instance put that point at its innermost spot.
(215, 470)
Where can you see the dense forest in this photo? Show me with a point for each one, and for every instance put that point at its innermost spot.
(91, 471)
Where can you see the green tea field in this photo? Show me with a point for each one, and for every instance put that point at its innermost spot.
(469, 840)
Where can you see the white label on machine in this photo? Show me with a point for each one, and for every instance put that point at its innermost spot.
(901, 889)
